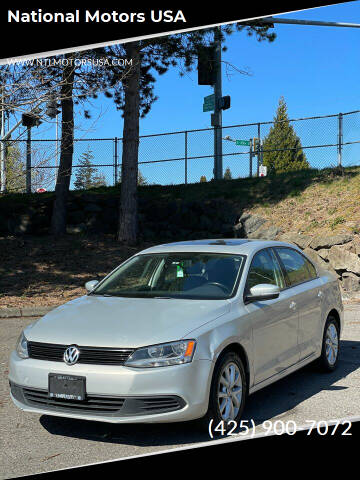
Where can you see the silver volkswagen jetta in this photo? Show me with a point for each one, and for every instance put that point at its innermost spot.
(180, 331)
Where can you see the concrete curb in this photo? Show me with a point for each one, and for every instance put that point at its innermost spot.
(25, 311)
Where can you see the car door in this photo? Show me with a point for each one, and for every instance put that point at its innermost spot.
(274, 322)
(305, 288)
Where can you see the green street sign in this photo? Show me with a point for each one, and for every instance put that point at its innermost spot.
(209, 98)
(209, 103)
(207, 107)
(245, 143)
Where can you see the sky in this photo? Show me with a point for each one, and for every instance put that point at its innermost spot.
(316, 69)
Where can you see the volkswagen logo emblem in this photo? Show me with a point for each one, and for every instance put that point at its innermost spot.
(71, 355)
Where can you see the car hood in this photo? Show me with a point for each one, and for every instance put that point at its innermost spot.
(124, 322)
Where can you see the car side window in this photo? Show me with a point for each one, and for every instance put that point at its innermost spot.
(295, 264)
(264, 268)
(312, 269)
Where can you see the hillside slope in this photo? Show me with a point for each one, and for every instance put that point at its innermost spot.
(309, 201)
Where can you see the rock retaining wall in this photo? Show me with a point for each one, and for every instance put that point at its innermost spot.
(161, 220)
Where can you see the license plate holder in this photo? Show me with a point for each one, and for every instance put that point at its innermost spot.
(67, 387)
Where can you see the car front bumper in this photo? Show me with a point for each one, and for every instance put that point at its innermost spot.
(176, 393)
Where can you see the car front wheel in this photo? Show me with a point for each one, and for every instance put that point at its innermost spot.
(228, 390)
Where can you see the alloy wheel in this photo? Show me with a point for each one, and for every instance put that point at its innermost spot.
(331, 344)
(230, 391)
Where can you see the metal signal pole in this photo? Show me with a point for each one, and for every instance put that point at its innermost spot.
(217, 115)
(2, 147)
(28, 161)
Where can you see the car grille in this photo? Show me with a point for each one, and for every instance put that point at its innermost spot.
(90, 355)
(119, 406)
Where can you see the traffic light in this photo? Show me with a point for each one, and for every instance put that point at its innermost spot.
(30, 120)
(255, 145)
(206, 66)
(224, 102)
(52, 107)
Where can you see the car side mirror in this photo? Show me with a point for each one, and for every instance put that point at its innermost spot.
(263, 291)
(91, 285)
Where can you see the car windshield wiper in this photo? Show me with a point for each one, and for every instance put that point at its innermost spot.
(164, 298)
(101, 294)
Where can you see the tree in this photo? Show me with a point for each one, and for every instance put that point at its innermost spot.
(69, 79)
(282, 147)
(58, 219)
(203, 179)
(227, 174)
(15, 170)
(87, 175)
(99, 180)
(85, 171)
(136, 95)
(141, 179)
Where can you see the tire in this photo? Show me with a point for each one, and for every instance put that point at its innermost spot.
(228, 363)
(330, 351)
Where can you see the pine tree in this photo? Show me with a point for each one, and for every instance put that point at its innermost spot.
(99, 181)
(86, 174)
(227, 174)
(285, 152)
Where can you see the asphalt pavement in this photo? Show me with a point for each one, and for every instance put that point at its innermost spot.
(31, 443)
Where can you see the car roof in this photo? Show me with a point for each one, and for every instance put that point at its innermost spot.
(242, 246)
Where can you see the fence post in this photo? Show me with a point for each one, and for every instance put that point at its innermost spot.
(250, 157)
(115, 161)
(186, 157)
(259, 150)
(340, 138)
(2, 167)
(2, 146)
(28, 161)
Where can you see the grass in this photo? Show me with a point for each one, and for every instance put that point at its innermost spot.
(315, 201)
(48, 271)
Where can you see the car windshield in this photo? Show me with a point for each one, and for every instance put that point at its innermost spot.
(210, 276)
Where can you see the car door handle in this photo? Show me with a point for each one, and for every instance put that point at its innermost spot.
(320, 294)
(292, 305)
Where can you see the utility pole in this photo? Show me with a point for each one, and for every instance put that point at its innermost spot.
(28, 160)
(56, 149)
(2, 146)
(216, 118)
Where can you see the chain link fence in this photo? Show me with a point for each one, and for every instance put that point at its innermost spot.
(181, 157)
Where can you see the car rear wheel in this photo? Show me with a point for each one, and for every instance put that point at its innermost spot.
(330, 346)
(228, 391)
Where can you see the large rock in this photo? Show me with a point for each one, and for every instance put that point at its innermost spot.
(353, 246)
(269, 232)
(301, 241)
(315, 257)
(249, 224)
(324, 253)
(350, 282)
(341, 259)
(327, 241)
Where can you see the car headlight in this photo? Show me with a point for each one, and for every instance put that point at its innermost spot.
(22, 346)
(163, 355)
